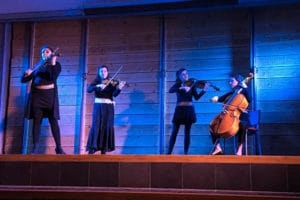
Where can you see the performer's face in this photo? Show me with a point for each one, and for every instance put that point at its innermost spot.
(103, 73)
(184, 76)
(46, 53)
(233, 82)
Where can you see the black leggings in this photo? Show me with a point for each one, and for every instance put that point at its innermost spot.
(37, 121)
(187, 131)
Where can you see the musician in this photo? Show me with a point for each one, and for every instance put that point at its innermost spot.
(102, 135)
(43, 98)
(236, 82)
(184, 112)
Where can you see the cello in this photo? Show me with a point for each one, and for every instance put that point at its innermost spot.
(226, 124)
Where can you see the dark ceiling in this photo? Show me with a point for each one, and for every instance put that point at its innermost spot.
(47, 9)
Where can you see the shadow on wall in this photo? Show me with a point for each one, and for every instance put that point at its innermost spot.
(136, 134)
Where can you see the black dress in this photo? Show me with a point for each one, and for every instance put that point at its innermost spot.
(102, 135)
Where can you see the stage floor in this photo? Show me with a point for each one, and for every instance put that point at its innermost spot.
(154, 158)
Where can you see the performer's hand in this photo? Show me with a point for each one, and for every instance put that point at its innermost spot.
(121, 85)
(28, 72)
(206, 86)
(214, 99)
(186, 88)
(102, 86)
(53, 60)
(224, 110)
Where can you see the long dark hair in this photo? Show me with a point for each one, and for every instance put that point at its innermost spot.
(46, 47)
(41, 61)
(98, 78)
(178, 72)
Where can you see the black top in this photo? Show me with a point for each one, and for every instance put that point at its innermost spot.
(185, 114)
(44, 75)
(109, 92)
(182, 95)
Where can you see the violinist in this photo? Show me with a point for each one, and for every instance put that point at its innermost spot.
(184, 111)
(102, 135)
(236, 82)
(43, 98)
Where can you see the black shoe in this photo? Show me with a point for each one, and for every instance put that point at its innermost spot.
(91, 151)
(59, 151)
(219, 153)
(35, 149)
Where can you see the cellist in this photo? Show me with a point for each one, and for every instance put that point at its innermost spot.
(236, 82)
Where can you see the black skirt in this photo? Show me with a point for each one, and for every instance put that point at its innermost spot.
(46, 99)
(184, 115)
(43, 99)
(102, 134)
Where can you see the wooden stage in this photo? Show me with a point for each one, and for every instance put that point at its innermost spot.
(146, 177)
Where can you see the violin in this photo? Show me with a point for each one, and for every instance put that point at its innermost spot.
(226, 124)
(113, 82)
(192, 82)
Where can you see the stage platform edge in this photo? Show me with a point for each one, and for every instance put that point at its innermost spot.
(159, 176)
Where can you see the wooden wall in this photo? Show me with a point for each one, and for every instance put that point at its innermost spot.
(209, 44)
(2, 96)
(277, 60)
(20, 60)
